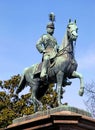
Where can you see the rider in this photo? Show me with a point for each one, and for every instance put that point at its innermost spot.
(47, 45)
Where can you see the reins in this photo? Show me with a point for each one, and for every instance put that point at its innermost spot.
(64, 51)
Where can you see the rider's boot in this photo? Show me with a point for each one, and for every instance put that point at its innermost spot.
(43, 74)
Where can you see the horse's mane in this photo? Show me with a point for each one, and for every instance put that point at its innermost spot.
(64, 42)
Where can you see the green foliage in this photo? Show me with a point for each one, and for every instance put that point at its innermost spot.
(12, 106)
(6, 116)
(7, 102)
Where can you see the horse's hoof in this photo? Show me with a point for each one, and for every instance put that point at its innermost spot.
(65, 104)
(60, 104)
(81, 91)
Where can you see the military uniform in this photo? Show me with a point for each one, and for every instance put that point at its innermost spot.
(47, 45)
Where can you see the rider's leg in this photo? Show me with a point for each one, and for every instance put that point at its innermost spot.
(44, 66)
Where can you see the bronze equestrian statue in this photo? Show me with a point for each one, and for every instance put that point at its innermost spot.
(62, 67)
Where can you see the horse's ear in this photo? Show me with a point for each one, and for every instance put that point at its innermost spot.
(75, 21)
(69, 20)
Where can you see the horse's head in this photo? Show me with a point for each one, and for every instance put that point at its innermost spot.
(72, 30)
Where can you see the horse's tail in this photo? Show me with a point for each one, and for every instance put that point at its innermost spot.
(22, 84)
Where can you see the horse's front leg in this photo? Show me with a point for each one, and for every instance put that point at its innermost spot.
(75, 74)
(60, 75)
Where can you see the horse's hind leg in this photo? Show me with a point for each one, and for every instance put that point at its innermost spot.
(75, 74)
(34, 103)
(37, 104)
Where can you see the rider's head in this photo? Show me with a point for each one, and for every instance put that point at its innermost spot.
(50, 28)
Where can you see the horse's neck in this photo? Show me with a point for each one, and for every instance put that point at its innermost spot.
(66, 44)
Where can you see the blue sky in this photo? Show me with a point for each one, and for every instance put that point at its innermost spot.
(22, 22)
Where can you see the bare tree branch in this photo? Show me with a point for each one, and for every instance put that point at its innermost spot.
(90, 97)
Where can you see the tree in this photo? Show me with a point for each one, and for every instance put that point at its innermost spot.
(12, 106)
(90, 97)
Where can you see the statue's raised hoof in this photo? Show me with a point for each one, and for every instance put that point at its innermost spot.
(81, 91)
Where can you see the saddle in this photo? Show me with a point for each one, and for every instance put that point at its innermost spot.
(39, 68)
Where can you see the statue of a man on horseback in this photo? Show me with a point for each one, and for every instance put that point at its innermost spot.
(58, 64)
(47, 45)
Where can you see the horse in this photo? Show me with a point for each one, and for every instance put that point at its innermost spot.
(65, 66)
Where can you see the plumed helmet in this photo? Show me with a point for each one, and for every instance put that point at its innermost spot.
(52, 19)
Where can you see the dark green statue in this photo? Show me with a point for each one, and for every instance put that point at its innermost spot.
(58, 64)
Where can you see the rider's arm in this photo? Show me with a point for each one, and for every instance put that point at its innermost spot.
(56, 45)
(39, 45)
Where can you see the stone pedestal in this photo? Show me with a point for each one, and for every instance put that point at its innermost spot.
(60, 118)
